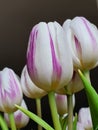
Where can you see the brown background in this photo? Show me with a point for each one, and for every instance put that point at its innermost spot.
(17, 17)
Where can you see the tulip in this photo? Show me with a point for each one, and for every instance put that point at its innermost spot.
(74, 86)
(10, 90)
(61, 103)
(84, 117)
(21, 120)
(29, 88)
(82, 36)
(49, 60)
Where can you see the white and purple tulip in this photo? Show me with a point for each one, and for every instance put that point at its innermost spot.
(21, 120)
(29, 88)
(10, 90)
(83, 39)
(84, 117)
(61, 103)
(49, 60)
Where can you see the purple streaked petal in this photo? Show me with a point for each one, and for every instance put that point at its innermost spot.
(31, 52)
(11, 92)
(77, 43)
(78, 47)
(18, 117)
(88, 30)
(14, 86)
(57, 70)
(11, 89)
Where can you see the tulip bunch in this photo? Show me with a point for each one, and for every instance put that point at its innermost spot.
(56, 53)
(59, 59)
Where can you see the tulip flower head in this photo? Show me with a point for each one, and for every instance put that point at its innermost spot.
(49, 60)
(61, 102)
(21, 120)
(82, 36)
(84, 117)
(29, 88)
(10, 90)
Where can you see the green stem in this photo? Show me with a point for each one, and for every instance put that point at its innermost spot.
(12, 121)
(53, 109)
(87, 75)
(38, 105)
(70, 112)
(3, 124)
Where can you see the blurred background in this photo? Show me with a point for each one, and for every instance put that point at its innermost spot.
(16, 21)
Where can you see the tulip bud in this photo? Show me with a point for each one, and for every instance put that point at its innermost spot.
(83, 39)
(21, 120)
(84, 118)
(29, 88)
(10, 90)
(49, 60)
(75, 85)
(61, 102)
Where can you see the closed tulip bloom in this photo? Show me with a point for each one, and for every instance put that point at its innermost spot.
(49, 60)
(10, 90)
(74, 86)
(82, 36)
(29, 88)
(61, 102)
(21, 120)
(84, 117)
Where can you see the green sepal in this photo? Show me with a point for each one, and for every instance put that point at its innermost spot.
(3, 124)
(35, 118)
(92, 97)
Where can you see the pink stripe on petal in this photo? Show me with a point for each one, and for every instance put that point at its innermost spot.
(57, 70)
(78, 47)
(77, 44)
(10, 90)
(14, 86)
(88, 29)
(31, 52)
(18, 117)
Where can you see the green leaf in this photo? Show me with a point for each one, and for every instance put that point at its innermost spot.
(35, 118)
(92, 97)
(63, 121)
(3, 123)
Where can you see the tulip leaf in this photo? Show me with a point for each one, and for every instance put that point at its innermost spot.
(92, 97)
(3, 124)
(35, 118)
(63, 121)
(75, 122)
